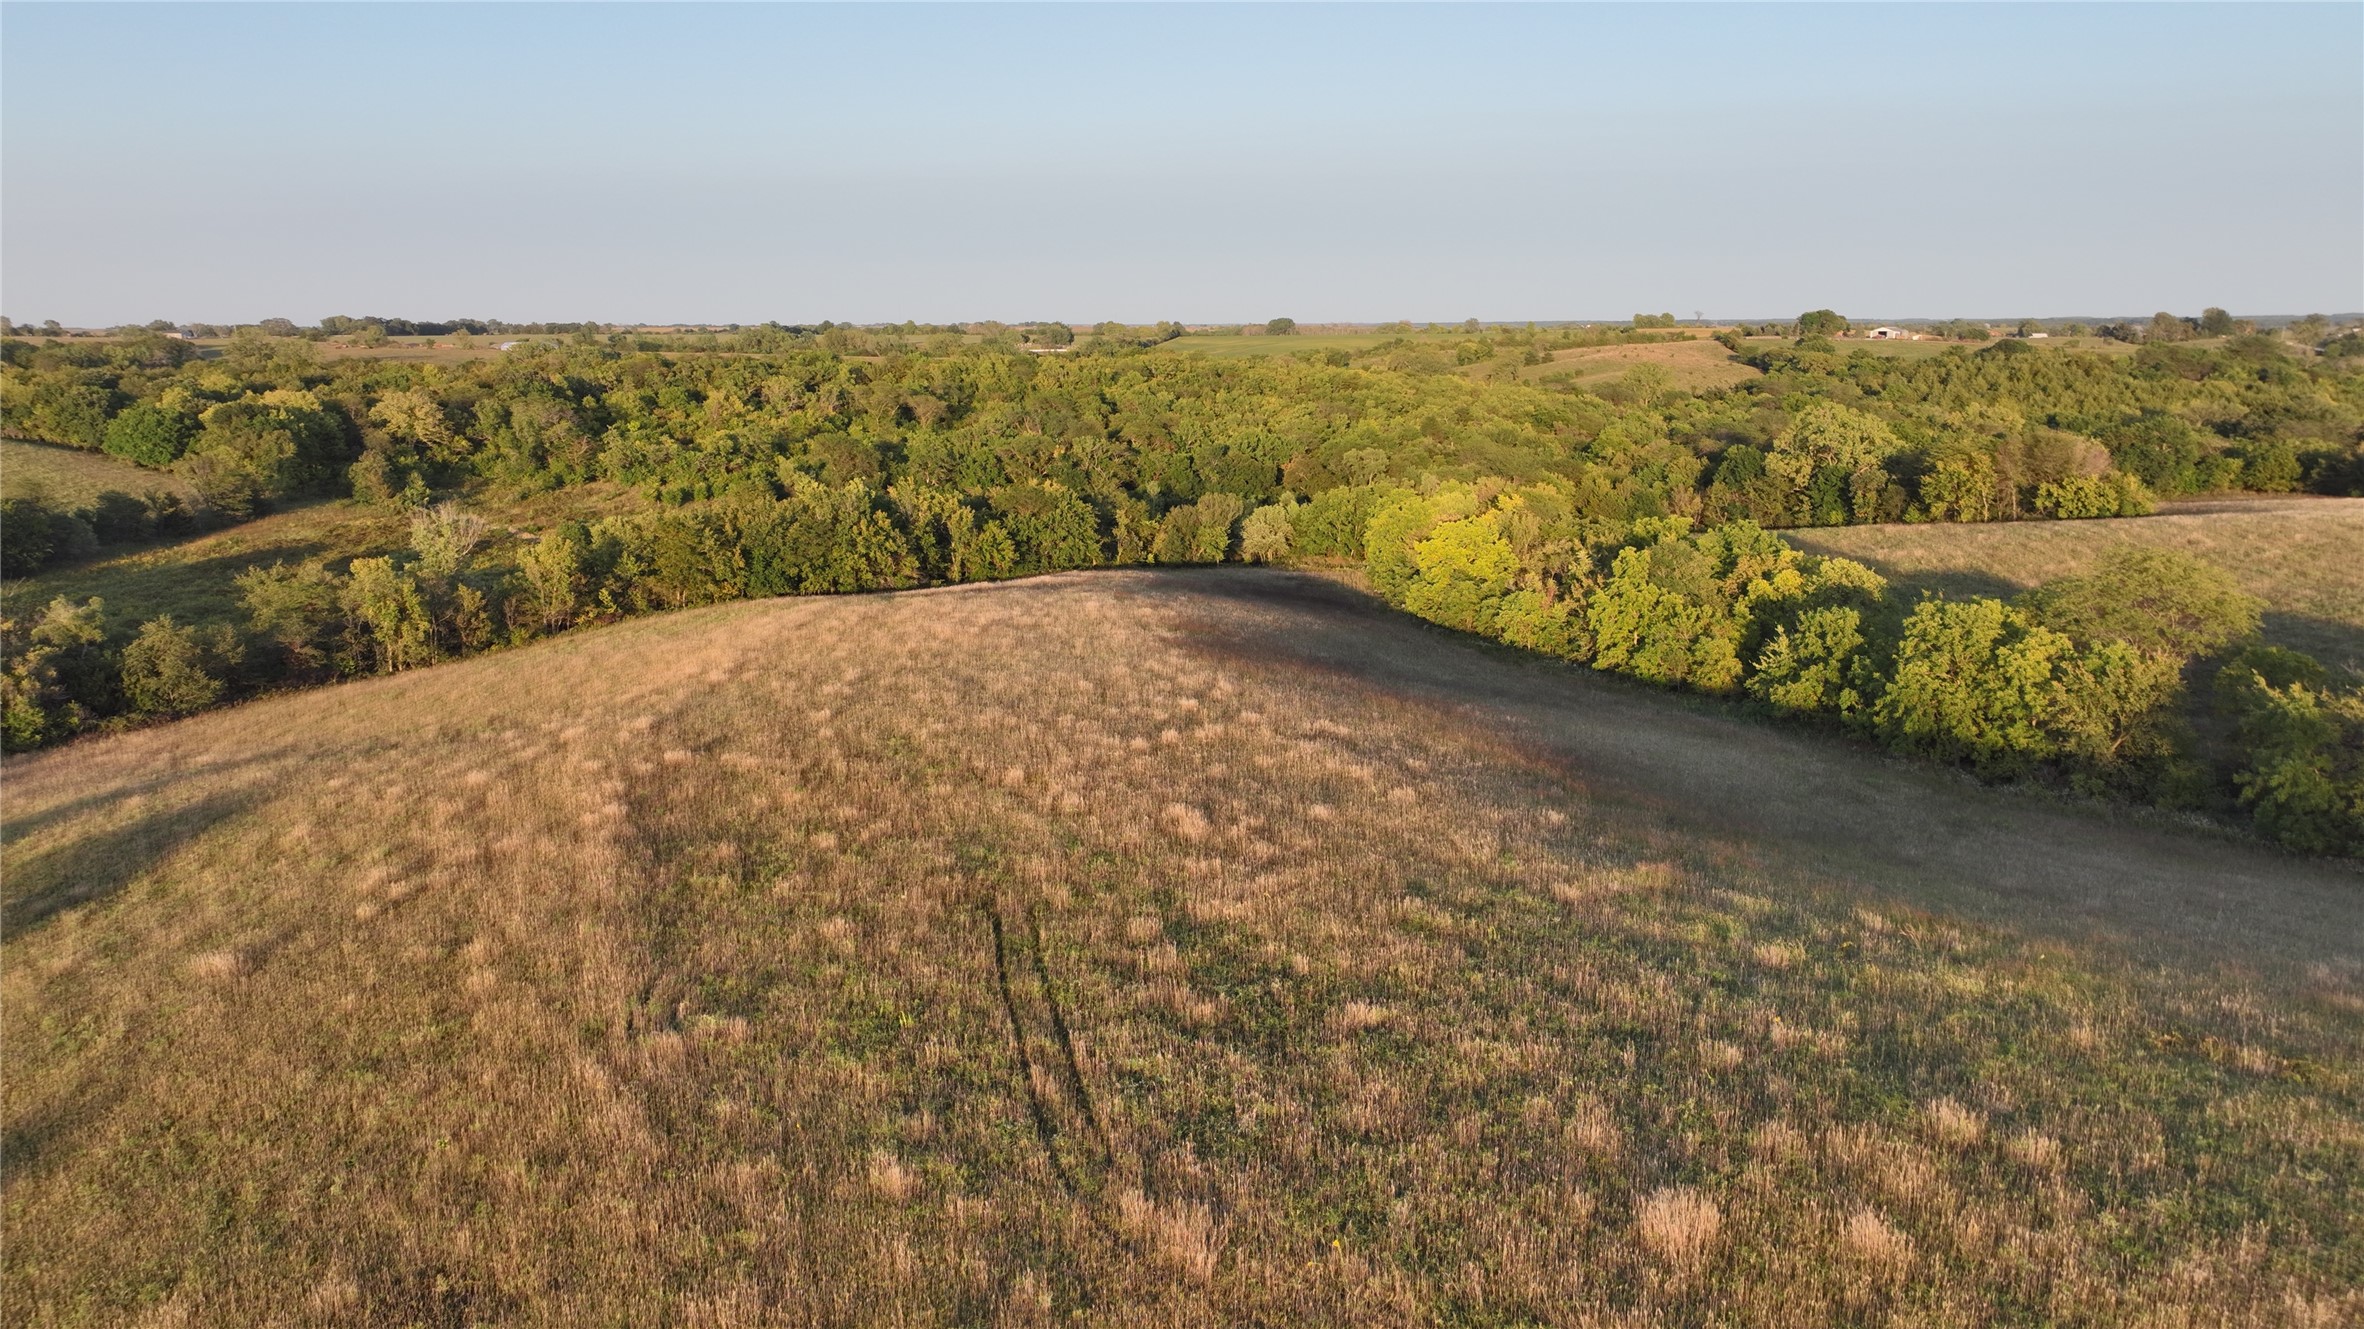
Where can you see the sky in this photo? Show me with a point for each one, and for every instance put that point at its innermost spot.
(1201, 162)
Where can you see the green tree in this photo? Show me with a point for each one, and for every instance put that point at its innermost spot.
(2302, 773)
(1821, 323)
(1974, 680)
(150, 435)
(298, 609)
(164, 671)
(27, 537)
(445, 537)
(553, 568)
(1461, 569)
(1281, 327)
(384, 602)
(1839, 450)
(59, 677)
(1218, 515)
(1267, 533)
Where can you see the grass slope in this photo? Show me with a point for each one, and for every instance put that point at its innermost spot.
(71, 477)
(2300, 555)
(194, 580)
(1150, 948)
(1690, 366)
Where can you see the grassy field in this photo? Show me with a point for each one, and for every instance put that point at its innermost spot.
(192, 579)
(72, 477)
(1692, 366)
(1223, 345)
(2301, 555)
(1159, 948)
(1932, 346)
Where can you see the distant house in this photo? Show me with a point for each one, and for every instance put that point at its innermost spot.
(1888, 334)
(2038, 336)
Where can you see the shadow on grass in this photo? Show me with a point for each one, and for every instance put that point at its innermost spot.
(102, 863)
(196, 591)
(25, 1143)
(17, 825)
(1919, 830)
(2329, 640)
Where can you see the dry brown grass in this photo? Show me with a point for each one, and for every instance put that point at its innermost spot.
(2303, 556)
(1064, 951)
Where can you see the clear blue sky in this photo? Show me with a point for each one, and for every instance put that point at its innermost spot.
(1203, 162)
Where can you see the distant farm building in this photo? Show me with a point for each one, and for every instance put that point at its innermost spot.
(1890, 334)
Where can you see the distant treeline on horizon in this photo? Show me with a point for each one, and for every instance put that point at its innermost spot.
(340, 325)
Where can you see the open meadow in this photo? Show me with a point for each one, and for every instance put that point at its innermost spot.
(1302, 343)
(2301, 555)
(74, 477)
(1689, 366)
(1154, 947)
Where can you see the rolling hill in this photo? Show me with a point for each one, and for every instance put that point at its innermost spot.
(1152, 947)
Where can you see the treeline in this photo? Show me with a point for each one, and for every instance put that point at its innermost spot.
(69, 671)
(2081, 681)
(819, 465)
(35, 534)
(1824, 437)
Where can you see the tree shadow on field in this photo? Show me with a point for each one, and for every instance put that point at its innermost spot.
(98, 865)
(16, 826)
(1907, 589)
(1916, 830)
(2340, 645)
(200, 590)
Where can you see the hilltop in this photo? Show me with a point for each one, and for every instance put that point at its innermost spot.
(1164, 946)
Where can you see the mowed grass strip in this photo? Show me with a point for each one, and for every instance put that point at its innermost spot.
(1071, 949)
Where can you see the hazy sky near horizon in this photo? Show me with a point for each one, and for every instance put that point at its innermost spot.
(743, 162)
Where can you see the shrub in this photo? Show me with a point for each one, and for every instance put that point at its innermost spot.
(2076, 497)
(2302, 772)
(2157, 600)
(26, 537)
